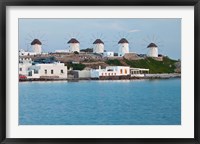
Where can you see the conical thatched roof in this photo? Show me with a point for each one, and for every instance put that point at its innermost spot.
(73, 40)
(123, 40)
(97, 41)
(152, 45)
(36, 41)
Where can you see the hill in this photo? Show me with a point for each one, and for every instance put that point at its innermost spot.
(166, 66)
(82, 61)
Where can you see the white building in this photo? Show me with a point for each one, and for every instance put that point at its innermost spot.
(74, 45)
(81, 74)
(98, 46)
(153, 50)
(84, 74)
(37, 46)
(108, 54)
(48, 70)
(110, 71)
(25, 53)
(123, 47)
(61, 51)
(138, 72)
(24, 64)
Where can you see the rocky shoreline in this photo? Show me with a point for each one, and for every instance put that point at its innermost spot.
(147, 76)
(163, 76)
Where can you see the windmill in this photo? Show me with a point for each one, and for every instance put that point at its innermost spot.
(153, 45)
(36, 41)
(74, 44)
(124, 44)
(37, 46)
(98, 44)
(153, 50)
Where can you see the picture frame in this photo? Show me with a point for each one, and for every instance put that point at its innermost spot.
(4, 73)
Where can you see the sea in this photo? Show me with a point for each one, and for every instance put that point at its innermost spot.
(100, 102)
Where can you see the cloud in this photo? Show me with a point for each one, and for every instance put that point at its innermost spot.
(134, 30)
(110, 26)
(116, 26)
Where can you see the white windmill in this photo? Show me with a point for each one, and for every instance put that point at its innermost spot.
(35, 43)
(123, 47)
(37, 46)
(74, 45)
(98, 46)
(153, 45)
(153, 50)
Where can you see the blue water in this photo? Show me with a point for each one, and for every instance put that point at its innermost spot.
(128, 102)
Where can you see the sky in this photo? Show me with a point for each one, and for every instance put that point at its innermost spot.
(55, 33)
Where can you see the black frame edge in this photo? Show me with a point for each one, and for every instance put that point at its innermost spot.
(101, 141)
(4, 3)
(2, 72)
(101, 2)
(197, 70)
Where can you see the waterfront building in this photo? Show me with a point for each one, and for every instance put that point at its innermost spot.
(54, 70)
(37, 46)
(123, 47)
(74, 45)
(81, 74)
(138, 72)
(108, 54)
(153, 50)
(98, 46)
(110, 71)
(24, 64)
(42, 68)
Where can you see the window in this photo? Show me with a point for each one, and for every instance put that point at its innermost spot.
(51, 71)
(125, 71)
(110, 70)
(35, 71)
(45, 71)
(30, 73)
(61, 71)
(20, 69)
(120, 71)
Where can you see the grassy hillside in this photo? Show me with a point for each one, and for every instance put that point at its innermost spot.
(114, 62)
(165, 66)
(76, 66)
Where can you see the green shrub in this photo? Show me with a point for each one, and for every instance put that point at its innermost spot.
(114, 62)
